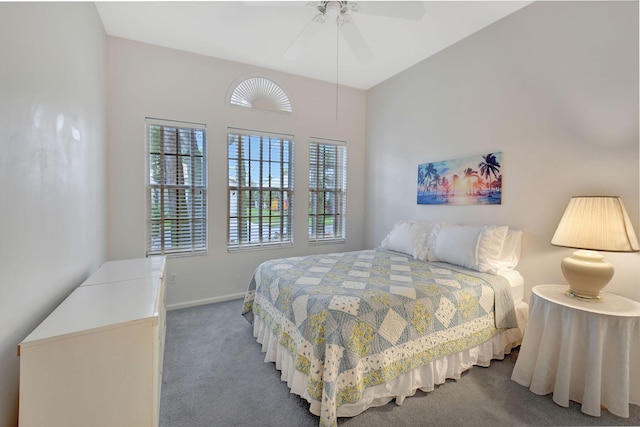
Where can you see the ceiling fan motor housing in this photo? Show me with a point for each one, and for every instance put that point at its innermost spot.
(334, 11)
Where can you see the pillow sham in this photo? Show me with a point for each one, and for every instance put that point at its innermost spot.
(473, 247)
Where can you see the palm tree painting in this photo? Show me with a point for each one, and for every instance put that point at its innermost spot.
(475, 180)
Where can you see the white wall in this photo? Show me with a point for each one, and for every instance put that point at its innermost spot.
(553, 86)
(52, 167)
(146, 80)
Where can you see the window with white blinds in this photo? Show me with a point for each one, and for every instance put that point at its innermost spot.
(327, 191)
(260, 190)
(176, 188)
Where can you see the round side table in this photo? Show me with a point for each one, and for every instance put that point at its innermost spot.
(584, 351)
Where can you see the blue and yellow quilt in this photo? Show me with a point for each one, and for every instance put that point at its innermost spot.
(354, 320)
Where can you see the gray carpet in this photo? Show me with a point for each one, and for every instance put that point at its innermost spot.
(215, 375)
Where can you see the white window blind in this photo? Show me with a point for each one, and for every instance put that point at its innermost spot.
(327, 191)
(261, 93)
(176, 188)
(260, 189)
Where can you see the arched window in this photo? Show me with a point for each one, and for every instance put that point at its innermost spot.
(261, 93)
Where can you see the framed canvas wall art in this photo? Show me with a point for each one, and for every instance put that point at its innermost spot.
(474, 180)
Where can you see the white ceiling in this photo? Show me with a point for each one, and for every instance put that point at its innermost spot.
(258, 33)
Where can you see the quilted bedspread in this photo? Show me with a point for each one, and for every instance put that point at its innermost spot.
(357, 319)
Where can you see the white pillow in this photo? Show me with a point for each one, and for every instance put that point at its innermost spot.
(401, 238)
(510, 254)
(425, 242)
(472, 247)
(415, 238)
(490, 246)
(456, 244)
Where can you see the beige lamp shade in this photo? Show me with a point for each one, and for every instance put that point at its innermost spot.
(597, 223)
(593, 224)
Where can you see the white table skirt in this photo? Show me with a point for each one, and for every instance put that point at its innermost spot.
(588, 352)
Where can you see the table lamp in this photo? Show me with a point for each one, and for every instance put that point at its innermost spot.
(592, 224)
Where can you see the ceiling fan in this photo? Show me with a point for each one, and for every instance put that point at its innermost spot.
(339, 12)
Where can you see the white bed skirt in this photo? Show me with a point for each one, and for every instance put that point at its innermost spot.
(424, 378)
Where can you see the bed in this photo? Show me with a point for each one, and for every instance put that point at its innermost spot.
(353, 330)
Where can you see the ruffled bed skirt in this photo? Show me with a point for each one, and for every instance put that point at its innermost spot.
(424, 378)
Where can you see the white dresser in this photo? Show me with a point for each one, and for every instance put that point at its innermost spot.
(97, 359)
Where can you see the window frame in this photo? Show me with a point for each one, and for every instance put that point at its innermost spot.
(339, 192)
(194, 192)
(259, 194)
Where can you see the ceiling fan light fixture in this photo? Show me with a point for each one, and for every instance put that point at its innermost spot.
(338, 12)
(333, 11)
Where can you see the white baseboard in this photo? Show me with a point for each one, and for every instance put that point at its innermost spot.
(195, 303)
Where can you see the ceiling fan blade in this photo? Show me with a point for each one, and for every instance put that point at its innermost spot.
(302, 40)
(396, 9)
(354, 39)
